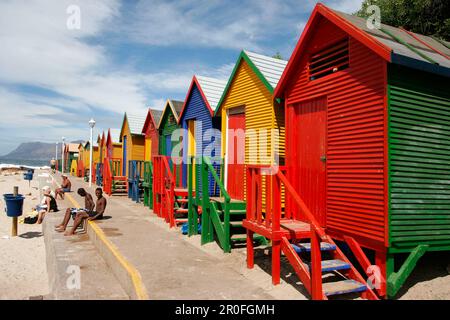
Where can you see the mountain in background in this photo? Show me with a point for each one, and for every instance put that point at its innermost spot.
(35, 151)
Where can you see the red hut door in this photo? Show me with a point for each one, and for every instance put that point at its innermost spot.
(236, 155)
(308, 141)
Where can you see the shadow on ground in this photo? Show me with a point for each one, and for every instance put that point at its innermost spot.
(31, 235)
(431, 266)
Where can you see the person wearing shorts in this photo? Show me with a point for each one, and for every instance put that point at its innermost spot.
(73, 212)
(88, 214)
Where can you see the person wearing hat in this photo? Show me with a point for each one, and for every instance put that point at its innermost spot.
(65, 187)
(48, 204)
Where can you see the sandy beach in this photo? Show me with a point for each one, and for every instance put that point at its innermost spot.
(23, 273)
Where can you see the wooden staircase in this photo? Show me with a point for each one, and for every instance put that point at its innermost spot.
(222, 216)
(338, 275)
(119, 186)
(113, 183)
(170, 200)
(320, 265)
(180, 209)
(136, 180)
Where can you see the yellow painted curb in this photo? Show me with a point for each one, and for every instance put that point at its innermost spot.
(135, 276)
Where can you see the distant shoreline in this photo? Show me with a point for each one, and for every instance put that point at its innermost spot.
(24, 163)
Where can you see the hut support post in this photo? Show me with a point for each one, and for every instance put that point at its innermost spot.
(14, 219)
(397, 279)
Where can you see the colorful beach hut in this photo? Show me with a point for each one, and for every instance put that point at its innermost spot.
(201, 135)
(71, 158)
(252, 133)
(150, 130)
(114, 149)
(81, 160)
(133, 153)
(101, 142)
(168, 123)
(95, 157)
(196, 118)
(151, 133)
(247, 105)
(114, 182)
(85, 157)
(163, 165)
(367, 127)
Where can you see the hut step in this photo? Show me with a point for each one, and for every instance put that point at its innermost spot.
(236, 212)
(243, 237)
(306, 247)
(334, 265)
(236, 224)
(343, 287)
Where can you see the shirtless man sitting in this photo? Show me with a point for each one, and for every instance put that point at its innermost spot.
(88, 207)
(85, 214)
(65, 187)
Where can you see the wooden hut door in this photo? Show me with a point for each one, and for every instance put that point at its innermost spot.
(148, 149)
(236, 156)
(168, 150)
(124, 157)
(308, 146)
(192, 148)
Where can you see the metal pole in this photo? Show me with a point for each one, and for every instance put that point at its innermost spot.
(90, 157)
(56, 152)
(62, 153)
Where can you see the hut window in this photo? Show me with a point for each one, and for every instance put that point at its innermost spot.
(329, 60)
(171, 119)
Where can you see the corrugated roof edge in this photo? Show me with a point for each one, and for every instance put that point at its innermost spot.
(172, 107)
(320, 9)
(243, 56)
(195, 81)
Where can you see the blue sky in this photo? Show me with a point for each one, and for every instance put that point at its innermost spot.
(126, 56)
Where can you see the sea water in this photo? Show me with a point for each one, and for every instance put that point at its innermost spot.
(8, 163)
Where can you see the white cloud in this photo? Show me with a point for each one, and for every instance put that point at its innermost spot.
(347, 6)
(27, 118)
(39, 50)
(157, 104)
(213, 23)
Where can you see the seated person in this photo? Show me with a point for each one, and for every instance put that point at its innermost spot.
(88, 207)
(92, 215)
(48, 204)
(65, 187)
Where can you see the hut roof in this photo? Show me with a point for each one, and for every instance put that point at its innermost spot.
(395, 45)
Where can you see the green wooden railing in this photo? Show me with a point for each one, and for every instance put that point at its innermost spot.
(210, 216)
(148, 184)
(193, 196)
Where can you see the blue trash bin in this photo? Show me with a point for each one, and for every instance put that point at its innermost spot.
(28, 176)
(14, 204)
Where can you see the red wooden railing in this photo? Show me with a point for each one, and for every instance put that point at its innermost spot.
(271, 217)
(107, 177)
(80, 169)
(111, 168)
(93, 172)
(165, 180)
(163, 186)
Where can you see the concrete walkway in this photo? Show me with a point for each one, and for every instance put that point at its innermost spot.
(169, 265)
(75, 268)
